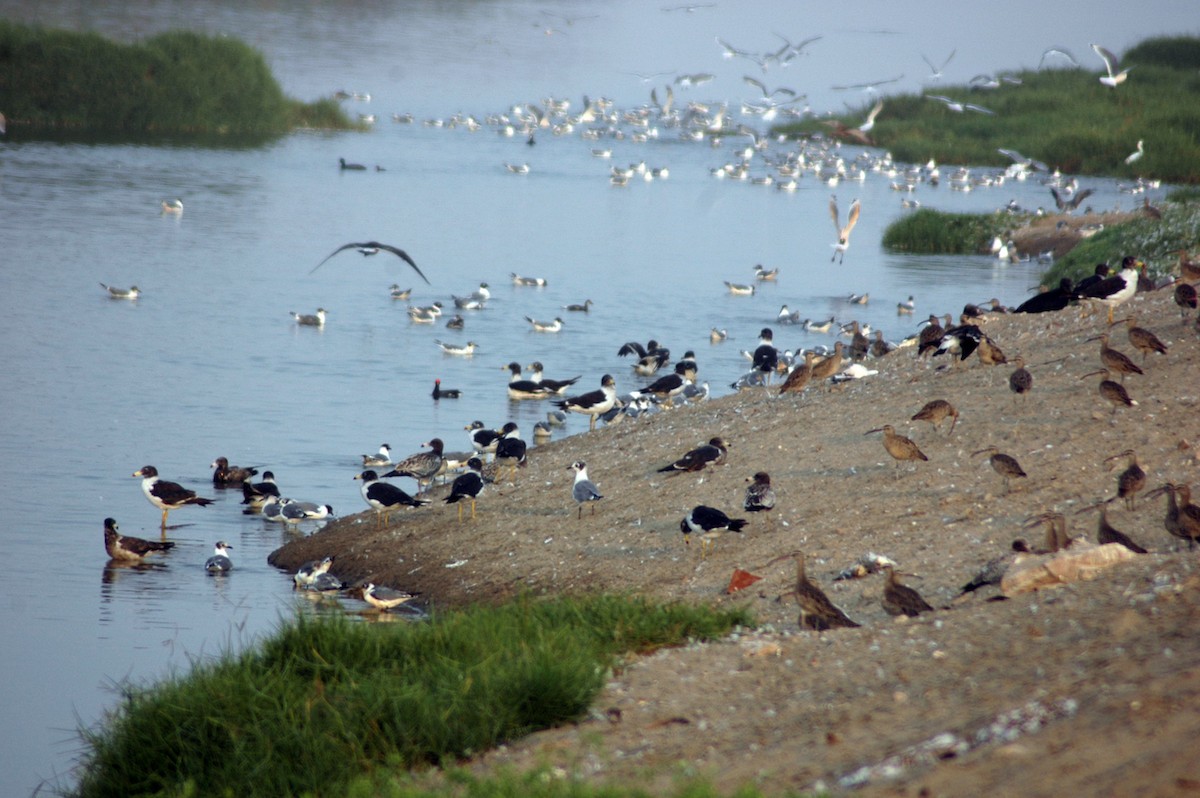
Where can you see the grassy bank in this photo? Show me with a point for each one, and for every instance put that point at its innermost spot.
(1063, 117)
(930, 232)
(324, 702)
(176, 83)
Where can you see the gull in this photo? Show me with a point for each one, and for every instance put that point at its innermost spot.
(167, 496)
(865, 127)
(1136, 154)
(546, 326)
(375, 245)
(219, 563)
(384, 598)
(958, 107)
(843, 232)
(133, 292)
(1112, 64)
(1070, 204)
(870, 87)
(462, 350)
(695, 79)
(583, 489)
(517, 169)
(1020, 160)
(1061, 53)
(310, 319)
(935, 73)
(174, 206)
(729, 50)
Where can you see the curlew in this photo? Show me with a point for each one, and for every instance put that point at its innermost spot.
(1020, 381)
(1056, 531)
(898, 446)
(799, 377)
(1106, 533)
(935, 411)
(1131, 480)
(1189, 270)
(824, 369)
(1142, 339)
(1183, 518)
(1185, 298)
(1003, 464)
(901, 599)
(1112, 392)
(817, 612)
(1115, 360)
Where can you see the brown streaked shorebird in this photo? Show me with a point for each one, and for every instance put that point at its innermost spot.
(994, 569)
(1003, 464)
(799, 377)
(1142, 339)
(898, 446)
(880, 347)
(1131, 480)
(1114, 360)
(824, 369)
(1113, 392)
(989, 353)
(901, 599)
(859, 343)
(1056, 531)
(931, 335)
(126, 548)
(1106, 533)
(1020, 381)
(1189, 270)
(935, 411)
(713, 452)
(1185, 298)
(817, 612)
(1183, 518)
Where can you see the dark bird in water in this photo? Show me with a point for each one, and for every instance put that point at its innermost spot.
(444, 393)
(1004, 465)
(994, 569)
(1142, 339)
(935, 411)
(901, 599)
(898, 446)
(1106, 533)
(127, 548)
(467, 487)
(709, 523)
(355, 167)
(713, 452)
(225, 474)
(760, 496)
(817, 612)
(1051, 300)
(1131, 480)
(167, 496)
(1020, 381)
(370, 247)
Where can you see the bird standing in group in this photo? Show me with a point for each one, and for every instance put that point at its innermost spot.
(1020, 381)
(384, 497)
(1005, 465)
(760, 496)
(467, 486)
(843, 231)
(1130, 481)
(584, 490)
(1112, 392)
(126, 548)
(1114, 359)
(898, 446)
(711, 453)
(817, 612)
(709, 523)
(935, 411)
(510, 448)
(1106, 533)
(1142, 339)
(593, 403)
(422, 466)
(167, 496)
(900, 599)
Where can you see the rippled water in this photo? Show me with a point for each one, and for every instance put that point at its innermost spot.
(209, 363)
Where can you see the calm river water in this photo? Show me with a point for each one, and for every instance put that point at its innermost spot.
(209, 363)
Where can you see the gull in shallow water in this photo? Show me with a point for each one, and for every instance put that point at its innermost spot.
(174, 207)
(366, 247)
(133, 292)
(310, 319)
(219, 563)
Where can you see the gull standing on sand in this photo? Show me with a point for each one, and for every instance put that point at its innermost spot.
(843, 232)
(584, 490)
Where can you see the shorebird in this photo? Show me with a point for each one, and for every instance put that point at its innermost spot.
(880, 347)
(1113, 392)
(712, 453)
(931, 334)
(1004, 465)
(799, 377)
(1142, 339)
(583, 490)
(825, 368)
(384, 458)
(546, 326)
(898, 446)
(126, 548)
(166, 496)
(1116, 76)
(817, 612)
(384, 598)
(133, 292)
(1020, 381)
(901, 599)
(843, 231)
(935, 411)
(375, 245)
(467, 487)
(760, 496)
(443, 393)
(1115, 360)
(383, 497)
(593, 403)
(1106, 533)
(422, 466)
(219, 563)
(310, 319)
(1056, 531)
(225, 474)
(1183, 517)
(173, 207)
(1185, 298)
(709, 523)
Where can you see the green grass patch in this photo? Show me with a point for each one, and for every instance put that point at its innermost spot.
(175, 84)
(930, 232)
(327, 700)
(1063, 117)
